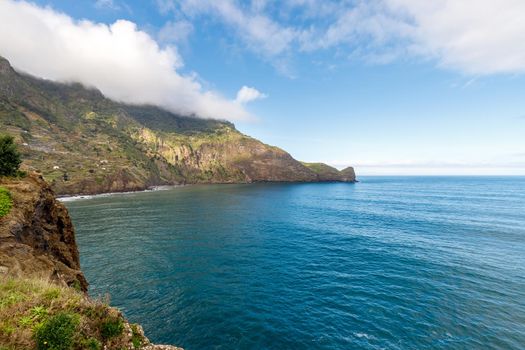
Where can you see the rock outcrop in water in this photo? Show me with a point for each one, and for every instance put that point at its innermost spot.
(84, 143)
(40, 270)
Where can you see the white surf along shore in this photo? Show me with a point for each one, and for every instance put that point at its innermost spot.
(111, 194)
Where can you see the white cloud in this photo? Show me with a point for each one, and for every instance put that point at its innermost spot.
(126, 64)
(165, 6)
(259, 32)
(247, 94)
(175, 32)
(472, 36)
(106, 4)
(475, 37)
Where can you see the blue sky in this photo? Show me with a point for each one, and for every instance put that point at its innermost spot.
(389, 86)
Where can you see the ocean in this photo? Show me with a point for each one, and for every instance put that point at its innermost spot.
(387, 263)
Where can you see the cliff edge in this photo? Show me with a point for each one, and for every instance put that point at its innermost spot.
(43, 300)
(37, 237)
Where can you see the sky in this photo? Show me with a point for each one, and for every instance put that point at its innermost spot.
(391, 87)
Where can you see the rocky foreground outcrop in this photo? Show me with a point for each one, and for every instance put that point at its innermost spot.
(40, 270)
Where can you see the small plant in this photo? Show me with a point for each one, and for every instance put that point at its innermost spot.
(6, 329)
(51, 293)
(91, 344)
(136, 337)
(111, 327)
(11, 298)
(76, 285)
(6, 202)
(57, 332)
(9, 156)
(38, 312)
(26, 321)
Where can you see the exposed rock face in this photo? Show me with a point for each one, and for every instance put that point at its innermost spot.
(37, 237)
(348, 174)
(327, 173)
(84, 143)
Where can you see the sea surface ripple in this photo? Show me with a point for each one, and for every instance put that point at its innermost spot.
(388, 263)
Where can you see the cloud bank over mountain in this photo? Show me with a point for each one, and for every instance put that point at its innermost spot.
(125, 63)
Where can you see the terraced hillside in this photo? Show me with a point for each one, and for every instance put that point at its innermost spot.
(84, 143)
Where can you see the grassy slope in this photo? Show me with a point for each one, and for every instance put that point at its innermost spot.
(36, 314)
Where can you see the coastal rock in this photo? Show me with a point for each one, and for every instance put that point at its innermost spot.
(348, 174)
(326, 173)
(37, 236)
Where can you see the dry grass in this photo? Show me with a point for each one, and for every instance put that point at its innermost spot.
(31, 311)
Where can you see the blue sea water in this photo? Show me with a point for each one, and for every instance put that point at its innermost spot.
(388, 263)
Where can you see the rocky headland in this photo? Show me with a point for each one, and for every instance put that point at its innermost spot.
(83, 143)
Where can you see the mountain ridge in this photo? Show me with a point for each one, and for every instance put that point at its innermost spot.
(84, 143)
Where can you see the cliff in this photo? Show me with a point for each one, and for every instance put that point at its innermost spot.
(37, 237)
(84, 143)
(42, 287)
(327, 173)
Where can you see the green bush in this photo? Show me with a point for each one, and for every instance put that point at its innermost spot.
(9, 156)
(57, 332)
(111, 327)
(6, 203)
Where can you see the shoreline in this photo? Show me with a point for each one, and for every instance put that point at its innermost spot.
(70, 198)
(77, 197)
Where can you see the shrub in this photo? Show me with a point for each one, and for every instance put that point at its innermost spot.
(111, 327)
(6, 203)
(9, 156)
(57, 332)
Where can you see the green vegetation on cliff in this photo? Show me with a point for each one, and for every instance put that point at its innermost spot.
(6, 203)
(37, 314)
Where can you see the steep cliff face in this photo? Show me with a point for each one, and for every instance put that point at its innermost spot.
(41, 282)
(37, 237)
(327, 173)
(348, 174)
(83, 143)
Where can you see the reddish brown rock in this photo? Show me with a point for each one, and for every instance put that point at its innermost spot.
(37, 237)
